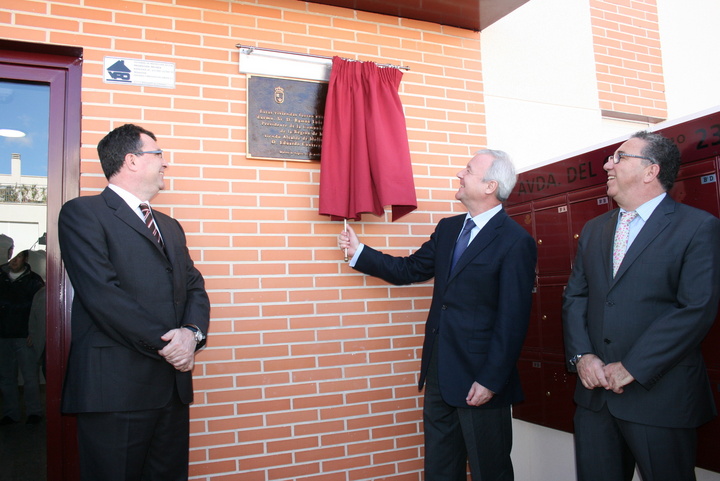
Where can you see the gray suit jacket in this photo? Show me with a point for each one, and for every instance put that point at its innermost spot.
(652, 316)
(128, 293)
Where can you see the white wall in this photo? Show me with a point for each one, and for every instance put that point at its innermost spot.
(543, 454)
(542, 104)
(540, 87)
(690, 38)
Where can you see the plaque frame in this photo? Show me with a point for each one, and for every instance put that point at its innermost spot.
(284, 118)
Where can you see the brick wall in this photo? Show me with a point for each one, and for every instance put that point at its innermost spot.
(628, 58)
(310, 371)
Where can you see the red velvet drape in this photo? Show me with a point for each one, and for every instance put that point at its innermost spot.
(365, 158)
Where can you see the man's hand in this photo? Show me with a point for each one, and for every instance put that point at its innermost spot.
(348, 240)
(180, 351)
(617, 376)
(478, 395)
(591, 371)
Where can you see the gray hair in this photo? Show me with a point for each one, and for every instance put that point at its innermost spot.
(501, 171)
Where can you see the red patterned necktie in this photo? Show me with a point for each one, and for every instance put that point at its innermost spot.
(150, 222)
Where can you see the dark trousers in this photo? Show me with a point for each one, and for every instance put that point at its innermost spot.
(607, 449)
(456, 436)
(135, 446)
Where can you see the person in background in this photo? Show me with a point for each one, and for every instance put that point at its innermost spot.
(7, 245)
(483, 265)
(642, 295)
(139, 315)
(18, 285)
(37, 326)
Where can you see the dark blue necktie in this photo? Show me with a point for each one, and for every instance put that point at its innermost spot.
(462, 242)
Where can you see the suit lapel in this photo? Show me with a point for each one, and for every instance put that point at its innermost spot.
(126, 215)
(486, 235)
(166, 231)
(658, 222)
(608, 236)
(446, 242)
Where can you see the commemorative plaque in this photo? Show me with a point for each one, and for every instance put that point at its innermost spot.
(285, 118)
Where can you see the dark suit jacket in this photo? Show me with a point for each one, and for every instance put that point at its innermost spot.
(652, 316)
(479, 313)
(128, 293)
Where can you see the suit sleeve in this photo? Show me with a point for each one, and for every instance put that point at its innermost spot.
(575, 306)
(111, 307)
(517, 278)
(418, 267)
(672, 336)
(197, 304)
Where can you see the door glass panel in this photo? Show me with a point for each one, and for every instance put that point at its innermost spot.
(24, 124)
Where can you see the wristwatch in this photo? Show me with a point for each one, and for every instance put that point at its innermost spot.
(575, 359)
(199, 336)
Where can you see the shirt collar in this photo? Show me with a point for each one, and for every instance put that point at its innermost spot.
(483, 218)
(646, 210)
(130, 199)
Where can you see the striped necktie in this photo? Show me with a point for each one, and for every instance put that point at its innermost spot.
(150, 222)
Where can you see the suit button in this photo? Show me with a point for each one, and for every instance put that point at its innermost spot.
(607, 341)
(444, 307)
(610, 303)
(168, 269)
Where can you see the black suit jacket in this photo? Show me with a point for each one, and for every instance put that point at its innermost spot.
(479, 312)
(128, 293)
(652, 316)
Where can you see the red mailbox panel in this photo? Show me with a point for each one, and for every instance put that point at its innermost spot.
(532, 409)
(594, 203)
(553, 240)
(697, 185)
(522, 214)
(559, 389)
(550, 311)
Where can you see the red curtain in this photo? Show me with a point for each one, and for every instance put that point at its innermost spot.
(365, 157)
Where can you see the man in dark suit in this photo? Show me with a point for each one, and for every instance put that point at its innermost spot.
(476, 325)
(139, 314)
(634, 336)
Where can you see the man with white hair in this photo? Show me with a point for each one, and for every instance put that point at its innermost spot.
(483, 264)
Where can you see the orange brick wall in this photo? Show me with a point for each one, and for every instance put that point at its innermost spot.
(310, 371)
(628, 57)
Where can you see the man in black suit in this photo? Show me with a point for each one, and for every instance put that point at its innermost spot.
(634, 335)
(139, 314)
(476, 325)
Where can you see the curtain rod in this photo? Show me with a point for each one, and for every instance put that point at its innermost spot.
(264, 49)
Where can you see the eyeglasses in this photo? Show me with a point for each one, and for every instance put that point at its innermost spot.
(156, 152)
(619, 155)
